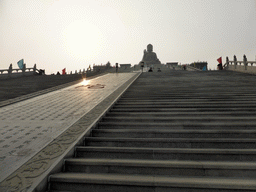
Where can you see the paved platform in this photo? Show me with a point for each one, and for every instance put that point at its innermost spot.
(28, 126)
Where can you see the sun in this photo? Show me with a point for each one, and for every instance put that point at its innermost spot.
(85, 82)
(82, 40)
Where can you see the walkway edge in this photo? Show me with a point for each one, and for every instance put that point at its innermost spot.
(33, 175)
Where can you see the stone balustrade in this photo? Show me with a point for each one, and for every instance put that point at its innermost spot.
(96, 70)
(240, 66)
(13, 73)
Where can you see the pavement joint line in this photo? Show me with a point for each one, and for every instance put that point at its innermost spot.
(78, 126)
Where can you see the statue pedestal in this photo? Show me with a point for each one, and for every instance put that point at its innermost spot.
(153, 65)
(157, 67)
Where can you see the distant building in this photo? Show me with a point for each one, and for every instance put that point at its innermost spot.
(125, 66)
(98, 68)
(200, 65)
(172, 64)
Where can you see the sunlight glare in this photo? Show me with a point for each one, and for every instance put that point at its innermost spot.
(85, 82)
(82, 40)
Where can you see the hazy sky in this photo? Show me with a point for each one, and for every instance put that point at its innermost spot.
(72, 34)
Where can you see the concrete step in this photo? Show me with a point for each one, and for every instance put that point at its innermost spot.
(196, 99)
(191, 105)
(183, 119)
(185, 102)
(158, 167)
(206, 143)
(178, 125)
(219, 96)
(192, 94)
(173, 133)
(240, 155)
(184, 109)
(134, 183)
(181, 113)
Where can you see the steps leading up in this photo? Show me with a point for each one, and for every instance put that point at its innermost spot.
(184, 131)
(160, 167)
(179, 125)
(173, 133)
(205, 154)
(217, 143)
(116, 182)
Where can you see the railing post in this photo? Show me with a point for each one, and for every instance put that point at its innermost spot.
(235, 61)
(23, 69)
(10, 70)
(227, 62)
(34, 69)
(245, 62)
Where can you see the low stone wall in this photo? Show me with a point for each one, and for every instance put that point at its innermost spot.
(16, 75)
(15, 87)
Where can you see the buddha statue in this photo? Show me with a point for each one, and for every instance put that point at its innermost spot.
(149, 56)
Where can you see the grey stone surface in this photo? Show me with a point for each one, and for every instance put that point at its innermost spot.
(42, 121)
(148, 183)
(201, 124)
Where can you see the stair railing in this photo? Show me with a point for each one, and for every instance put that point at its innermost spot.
(241, 66)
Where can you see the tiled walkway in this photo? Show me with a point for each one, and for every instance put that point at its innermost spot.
(26, 127)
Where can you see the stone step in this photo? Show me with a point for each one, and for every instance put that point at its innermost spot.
(183, 119)
(158, 167)
(178, 99)
(187, 95)
(231, 99)
(201, 143)
(193, 97)
(173, 133)
(189, 88)
(137, 183)
(191, 105)
(241, 155)
(185, 102)
(180, 113)
(184, 109)
(178, 125)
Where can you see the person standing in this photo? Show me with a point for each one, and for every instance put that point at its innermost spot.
(116, 67)
(219, 66)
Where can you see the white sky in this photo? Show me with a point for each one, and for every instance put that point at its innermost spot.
(72, 34)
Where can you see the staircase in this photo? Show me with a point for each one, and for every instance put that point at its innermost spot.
(182, 131)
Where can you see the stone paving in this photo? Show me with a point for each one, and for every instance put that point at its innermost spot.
(28, 126)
